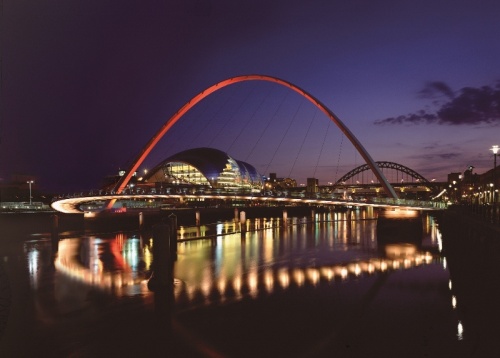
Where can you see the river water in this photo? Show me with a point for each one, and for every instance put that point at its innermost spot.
(319, 288)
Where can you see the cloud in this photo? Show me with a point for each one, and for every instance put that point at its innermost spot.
(471, 106)
(436, 89)
(439, 156)
(420, 117)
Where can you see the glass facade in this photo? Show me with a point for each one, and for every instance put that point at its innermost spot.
(207, 167)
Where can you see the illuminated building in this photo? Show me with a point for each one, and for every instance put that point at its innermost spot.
(206, 168)
(276, 183)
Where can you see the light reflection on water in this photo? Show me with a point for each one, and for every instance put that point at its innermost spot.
(335, 260)
(231, 265)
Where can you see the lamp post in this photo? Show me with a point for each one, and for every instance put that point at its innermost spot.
(29, 183)
(495, 150)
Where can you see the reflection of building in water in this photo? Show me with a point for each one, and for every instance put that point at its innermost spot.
(232, 280)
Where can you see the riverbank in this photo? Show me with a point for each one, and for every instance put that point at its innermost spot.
(458, 217)
(471, 246)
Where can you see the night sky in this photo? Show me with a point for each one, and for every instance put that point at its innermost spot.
(85, 84)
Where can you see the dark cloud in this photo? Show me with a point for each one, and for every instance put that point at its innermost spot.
(436, 156)
(420, 117)
(472, 106)
(441, 156)
(436, 89)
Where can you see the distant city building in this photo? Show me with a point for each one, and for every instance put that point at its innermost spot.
(454, 177)
(23, 206)
(488, 186)
(275, 183)
(474, 188)
(312, 185)
(469, 177)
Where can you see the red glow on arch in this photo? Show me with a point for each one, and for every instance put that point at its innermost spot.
(184, 109)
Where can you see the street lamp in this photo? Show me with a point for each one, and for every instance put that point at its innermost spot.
(29, 183)
(495, 150)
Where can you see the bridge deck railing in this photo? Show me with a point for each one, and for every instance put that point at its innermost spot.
(412, 203)
(268, 194)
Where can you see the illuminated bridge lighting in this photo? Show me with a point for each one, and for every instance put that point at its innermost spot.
(71, 205)
(240, 285)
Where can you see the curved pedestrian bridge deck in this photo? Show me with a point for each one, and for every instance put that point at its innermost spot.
(71, 204)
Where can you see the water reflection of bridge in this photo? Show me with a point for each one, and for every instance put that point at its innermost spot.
(270, 279)
(226, 266)
(252, 283)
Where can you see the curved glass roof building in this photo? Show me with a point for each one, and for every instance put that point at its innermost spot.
(206, 167)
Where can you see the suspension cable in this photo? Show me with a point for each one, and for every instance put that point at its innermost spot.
(321, 151)
(303, 141)
(187, 129)
(338, 159)
(268, 124)
(243, 128)
(223, 127)
(216, 113)
(284, 135)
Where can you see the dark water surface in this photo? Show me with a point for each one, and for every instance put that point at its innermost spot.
(323, 289)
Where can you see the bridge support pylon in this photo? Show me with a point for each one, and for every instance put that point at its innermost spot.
(55, 233)
(164, 250)
(197, 218)
(399, 226)
(243, 221)
(141, 220)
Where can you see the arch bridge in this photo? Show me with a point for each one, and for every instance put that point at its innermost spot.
(384, 165)
(122, 184)
(71, 204)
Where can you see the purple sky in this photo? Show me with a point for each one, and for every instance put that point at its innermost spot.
(85, 84)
